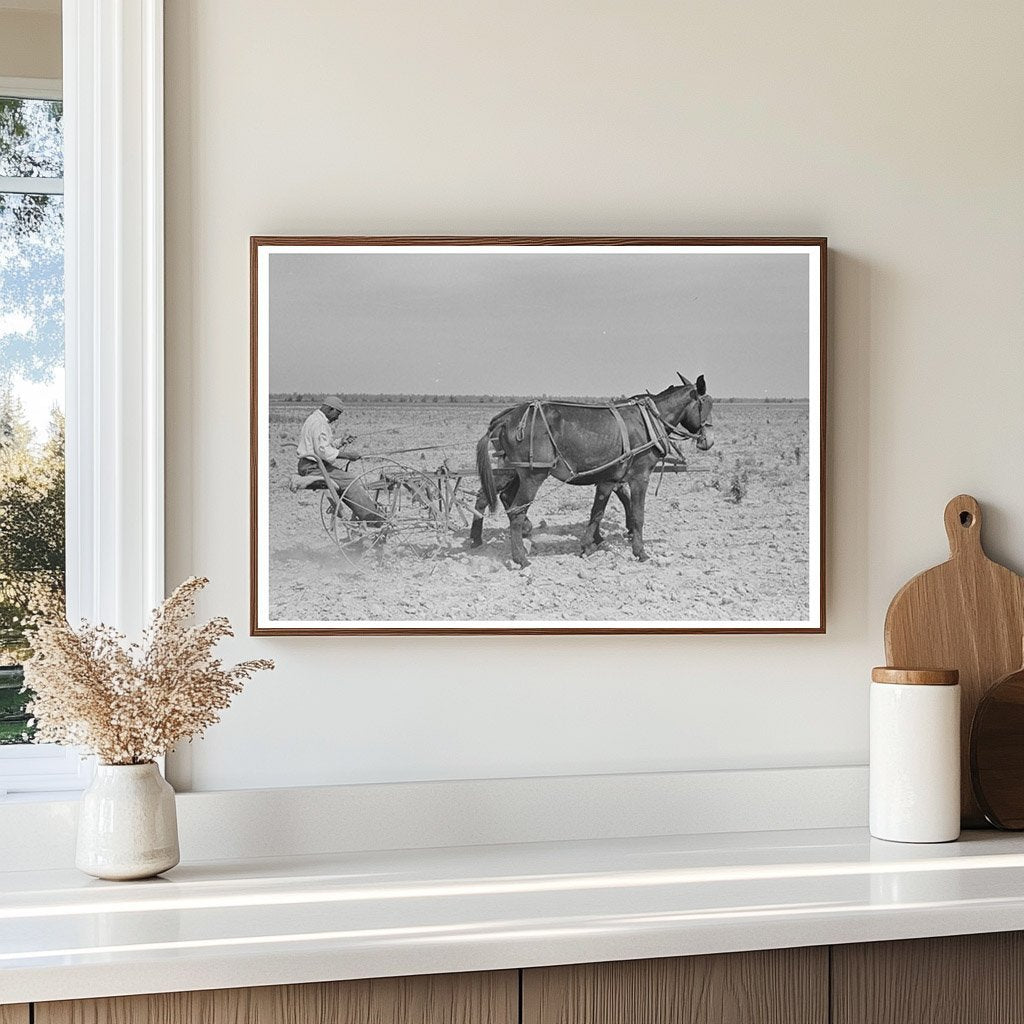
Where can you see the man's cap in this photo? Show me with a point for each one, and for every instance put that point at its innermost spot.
(334, 402)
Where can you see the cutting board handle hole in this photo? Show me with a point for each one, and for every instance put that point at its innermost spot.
(966, 518)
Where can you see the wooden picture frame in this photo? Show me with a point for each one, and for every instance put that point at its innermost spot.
(381, 545)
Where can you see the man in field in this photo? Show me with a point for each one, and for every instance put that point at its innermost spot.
(316, 439)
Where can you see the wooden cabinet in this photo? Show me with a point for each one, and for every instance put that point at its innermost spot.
(962, 979)
(491, 998)
(968, 979)
(778, 986)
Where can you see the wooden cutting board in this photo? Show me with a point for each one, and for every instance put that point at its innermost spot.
(967, 614)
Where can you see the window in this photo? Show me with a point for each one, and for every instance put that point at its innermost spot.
(112, 205)
(32, 532)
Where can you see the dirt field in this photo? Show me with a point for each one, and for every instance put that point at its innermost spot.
(728, 540)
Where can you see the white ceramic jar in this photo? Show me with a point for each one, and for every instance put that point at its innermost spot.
(127, 823)
(915, 755)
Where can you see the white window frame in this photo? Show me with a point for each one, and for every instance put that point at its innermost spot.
(113, 282)
(31, 89)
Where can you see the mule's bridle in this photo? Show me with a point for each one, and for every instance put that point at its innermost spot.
(674, 430)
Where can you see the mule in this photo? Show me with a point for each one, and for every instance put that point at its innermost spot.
(613, 448)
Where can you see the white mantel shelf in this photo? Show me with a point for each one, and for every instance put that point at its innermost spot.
(226, 924)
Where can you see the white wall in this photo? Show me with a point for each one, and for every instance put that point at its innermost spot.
(895, 129)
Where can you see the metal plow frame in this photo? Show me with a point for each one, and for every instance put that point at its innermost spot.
(417, 509)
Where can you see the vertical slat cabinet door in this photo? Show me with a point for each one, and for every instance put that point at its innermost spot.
(960, 979)
(777, 986)
(14, 1014)
(480, 998)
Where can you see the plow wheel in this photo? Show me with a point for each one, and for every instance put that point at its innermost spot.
(415, 510)
(355, 537)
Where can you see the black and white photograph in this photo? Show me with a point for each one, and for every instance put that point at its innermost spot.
(537, 435)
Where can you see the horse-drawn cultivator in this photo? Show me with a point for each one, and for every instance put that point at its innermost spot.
(415, 508)
(613, 447)
(427, 511)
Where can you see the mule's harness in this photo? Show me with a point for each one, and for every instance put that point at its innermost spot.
(660, 434)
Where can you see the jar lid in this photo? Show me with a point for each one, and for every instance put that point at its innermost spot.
(916, 676)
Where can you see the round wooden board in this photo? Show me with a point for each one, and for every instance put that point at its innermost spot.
(997, 752)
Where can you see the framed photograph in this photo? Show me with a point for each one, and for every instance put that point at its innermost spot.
(537, 435)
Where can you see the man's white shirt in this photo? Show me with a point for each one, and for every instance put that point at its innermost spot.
(316, 439)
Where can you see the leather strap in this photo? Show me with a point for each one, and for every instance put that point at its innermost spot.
(622, 428)
(659, 434)
(657, 437)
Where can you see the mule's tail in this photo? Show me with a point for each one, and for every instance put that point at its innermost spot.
(483, 467)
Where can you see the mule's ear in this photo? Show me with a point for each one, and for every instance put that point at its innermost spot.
(686, 383)
(701, 386)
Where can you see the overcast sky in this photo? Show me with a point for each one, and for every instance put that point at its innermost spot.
(538, 323)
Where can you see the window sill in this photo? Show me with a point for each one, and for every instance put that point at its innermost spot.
(42, 797)
(44, 771)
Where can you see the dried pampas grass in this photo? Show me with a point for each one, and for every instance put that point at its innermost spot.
(129, 703)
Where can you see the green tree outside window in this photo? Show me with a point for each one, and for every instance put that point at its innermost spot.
(32, 544)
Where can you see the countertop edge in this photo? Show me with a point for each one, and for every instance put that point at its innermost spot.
(497, 952)
(238, 924)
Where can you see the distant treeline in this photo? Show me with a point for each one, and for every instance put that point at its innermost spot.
(362, 398)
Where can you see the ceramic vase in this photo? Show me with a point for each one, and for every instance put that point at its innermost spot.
(127, 825)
